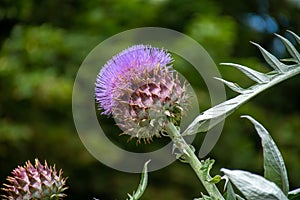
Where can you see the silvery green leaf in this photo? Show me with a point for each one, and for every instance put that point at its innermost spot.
(254, 187)
(291, 49)
(143, 184)
(271, 59)
(238, 197)
(252, 74)
(289, 60)
(204, 197)
(295, 36)
(230, 194)
(294, 194)
(211, 117)
(233, 86)
(274, 167)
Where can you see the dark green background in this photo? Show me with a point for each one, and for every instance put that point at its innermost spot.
(44, 42)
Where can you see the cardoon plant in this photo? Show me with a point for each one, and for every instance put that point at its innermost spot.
(143, 93)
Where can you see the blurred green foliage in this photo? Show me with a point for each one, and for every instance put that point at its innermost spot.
(44, 42)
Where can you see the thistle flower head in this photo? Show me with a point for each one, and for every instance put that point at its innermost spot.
(141, 90)
(35, 182)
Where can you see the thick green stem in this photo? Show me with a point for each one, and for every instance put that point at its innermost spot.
(193, 160)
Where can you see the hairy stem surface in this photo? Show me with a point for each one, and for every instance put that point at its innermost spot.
(188, 152)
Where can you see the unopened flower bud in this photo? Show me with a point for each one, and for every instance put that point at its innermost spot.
(35, 182)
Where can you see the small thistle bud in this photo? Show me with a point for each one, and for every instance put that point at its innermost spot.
(142, 91)
(35, 182)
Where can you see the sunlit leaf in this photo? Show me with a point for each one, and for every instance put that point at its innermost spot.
(252, 74)
(230, 194)
(204, 197)
(289, 60)
(274, 167)
(271, 59)
(297, 37)
(211, 117)
(291, 49)
(233, 86)
(294, 194)
(254, 187)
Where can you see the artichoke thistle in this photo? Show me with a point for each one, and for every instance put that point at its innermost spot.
(142, 91)
(35, 182)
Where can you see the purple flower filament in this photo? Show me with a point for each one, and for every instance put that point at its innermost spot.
(138, 87)
(128, 64)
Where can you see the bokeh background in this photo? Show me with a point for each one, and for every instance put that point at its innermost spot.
(44, 42)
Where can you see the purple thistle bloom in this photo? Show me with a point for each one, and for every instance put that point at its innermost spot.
(139, 88)
(128, 64)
